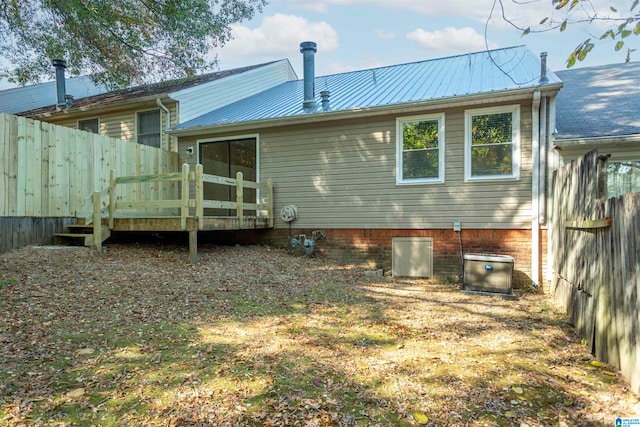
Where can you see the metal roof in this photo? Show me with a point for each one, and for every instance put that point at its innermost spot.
(597, 102)
(40, 95)
(102, 98)
(463, 75)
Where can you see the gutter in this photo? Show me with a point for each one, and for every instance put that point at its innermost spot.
(621, 140)
(409, 107)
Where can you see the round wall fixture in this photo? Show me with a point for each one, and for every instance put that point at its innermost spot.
(288, 213)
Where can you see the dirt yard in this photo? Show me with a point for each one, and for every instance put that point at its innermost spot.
(255, 336)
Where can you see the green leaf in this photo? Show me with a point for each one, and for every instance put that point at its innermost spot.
(635, 3)
(574, 3)
(619, 45)
(525, 32)
(613, 9)
(636, 30)
(625, 33)
(545, 20)
(607, 34)
(563, 26)
(562, 4)
(571, 60)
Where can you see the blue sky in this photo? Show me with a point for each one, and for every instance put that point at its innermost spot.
(359, 34)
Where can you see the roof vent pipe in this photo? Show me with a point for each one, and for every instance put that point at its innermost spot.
(61, 90)
(308, 50)
(324, 96)
(543, 66)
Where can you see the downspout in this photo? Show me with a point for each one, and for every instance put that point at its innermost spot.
(542, 199)
(535, 189)
(168, 124)
(552, 164)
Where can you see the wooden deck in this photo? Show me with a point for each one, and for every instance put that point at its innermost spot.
(185, 212)
(173, 223)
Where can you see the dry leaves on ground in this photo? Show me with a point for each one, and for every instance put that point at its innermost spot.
(258, 336)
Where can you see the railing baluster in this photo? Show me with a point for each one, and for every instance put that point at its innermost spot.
(239, 199)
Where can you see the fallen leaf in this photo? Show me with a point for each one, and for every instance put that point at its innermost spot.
(75, 393)
(596, 364)
(85, 351)
(420, 418)
(517, 390)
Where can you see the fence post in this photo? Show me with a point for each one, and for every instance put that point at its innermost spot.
(239, 199)
(184, 211)
(97, 221)
(112, 198)
(199, 196)
(270, 201)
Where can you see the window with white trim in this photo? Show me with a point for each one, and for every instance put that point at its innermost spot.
(623, 177)
(420, 149)
(492, 143)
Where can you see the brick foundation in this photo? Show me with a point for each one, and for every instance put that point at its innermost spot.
(372, 247)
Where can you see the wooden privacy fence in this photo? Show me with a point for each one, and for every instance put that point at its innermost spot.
(596, 262)
(51, 171)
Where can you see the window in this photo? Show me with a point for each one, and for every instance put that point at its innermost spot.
(149, 128)
(623, 177)
(420, 149)
(89, 125)
(492, 143)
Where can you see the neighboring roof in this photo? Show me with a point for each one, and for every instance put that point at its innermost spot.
(109, 98)
(599, 102)
(40, 95)
(463, 75)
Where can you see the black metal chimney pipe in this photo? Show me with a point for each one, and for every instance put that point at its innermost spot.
(543, 66)
(308, 49)
(61, 89)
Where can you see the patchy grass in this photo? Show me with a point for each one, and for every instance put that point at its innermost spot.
(255, 336)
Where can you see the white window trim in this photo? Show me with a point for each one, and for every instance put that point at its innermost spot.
(399, 149)
(515, 138)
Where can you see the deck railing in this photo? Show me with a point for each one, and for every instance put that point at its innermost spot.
(182, 206)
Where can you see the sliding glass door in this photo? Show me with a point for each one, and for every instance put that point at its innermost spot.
(226, 158)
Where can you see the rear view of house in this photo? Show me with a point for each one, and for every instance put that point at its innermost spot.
(418, 150)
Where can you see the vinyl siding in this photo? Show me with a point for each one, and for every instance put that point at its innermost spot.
(198, 100)
(121, 124)
(342, 175)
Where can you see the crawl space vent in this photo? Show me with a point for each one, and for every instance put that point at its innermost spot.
(412, 256)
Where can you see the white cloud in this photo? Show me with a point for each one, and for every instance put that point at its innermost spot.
(385, 35)
(279, 35)
(450, 40)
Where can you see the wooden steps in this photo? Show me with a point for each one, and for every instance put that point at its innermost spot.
(80, 235)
